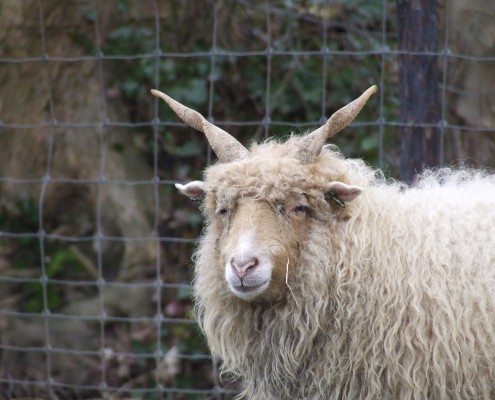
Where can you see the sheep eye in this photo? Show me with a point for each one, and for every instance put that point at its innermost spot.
(300, 208)
(222, 211)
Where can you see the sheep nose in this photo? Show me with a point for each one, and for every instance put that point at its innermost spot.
(243, 267)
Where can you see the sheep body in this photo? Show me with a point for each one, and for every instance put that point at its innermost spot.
(391, 297)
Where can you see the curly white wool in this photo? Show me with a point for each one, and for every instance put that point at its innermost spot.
(397, 301)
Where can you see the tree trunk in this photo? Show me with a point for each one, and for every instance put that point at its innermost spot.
(418, 87)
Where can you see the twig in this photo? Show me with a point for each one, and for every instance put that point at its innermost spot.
(85, 261)
(287, 281)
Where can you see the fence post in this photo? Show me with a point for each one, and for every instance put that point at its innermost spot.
(418, 86)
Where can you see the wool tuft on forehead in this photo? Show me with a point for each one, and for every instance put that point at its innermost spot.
(271, 171)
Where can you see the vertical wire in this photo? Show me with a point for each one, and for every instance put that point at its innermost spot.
(211, 92)
(156, 196)
(381, 119)
(45, 181)
(324, 51)
(101, 182)
(267, 118)
(445, 52)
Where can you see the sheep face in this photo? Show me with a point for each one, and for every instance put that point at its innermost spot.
(259, 219)
(260, 241)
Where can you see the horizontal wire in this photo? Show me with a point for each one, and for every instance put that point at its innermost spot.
(120, 389)
(98, 353)
(58, 316)
(262, 53)
(440, 124)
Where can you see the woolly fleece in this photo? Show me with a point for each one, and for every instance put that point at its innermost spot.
(392, 297)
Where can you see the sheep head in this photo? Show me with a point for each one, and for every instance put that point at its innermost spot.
(261, 203)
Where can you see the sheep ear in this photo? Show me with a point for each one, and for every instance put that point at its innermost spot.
(195, 189)
(340, 192)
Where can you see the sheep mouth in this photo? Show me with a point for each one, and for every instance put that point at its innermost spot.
(250, 289)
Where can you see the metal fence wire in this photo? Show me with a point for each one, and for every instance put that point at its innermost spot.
(96, 245)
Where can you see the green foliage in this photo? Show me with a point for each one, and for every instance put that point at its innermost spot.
(126, 40)
(134, 79)
(55, 268)
(20, 217)
(240, 83)
(23, 217)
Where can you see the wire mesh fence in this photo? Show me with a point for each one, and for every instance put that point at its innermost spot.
(95, 244)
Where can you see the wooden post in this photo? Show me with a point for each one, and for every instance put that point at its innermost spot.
(418, 86)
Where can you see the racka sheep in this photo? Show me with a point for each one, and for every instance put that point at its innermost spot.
(317, 279)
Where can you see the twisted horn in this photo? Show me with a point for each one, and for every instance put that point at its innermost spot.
(310, 146)
(225, 146)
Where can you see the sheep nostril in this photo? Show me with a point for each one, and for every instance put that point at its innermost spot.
(243, 267)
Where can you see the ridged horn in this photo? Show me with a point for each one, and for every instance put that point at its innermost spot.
(225, 146)
(310, 146)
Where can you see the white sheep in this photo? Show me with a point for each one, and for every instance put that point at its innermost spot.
(316, 278)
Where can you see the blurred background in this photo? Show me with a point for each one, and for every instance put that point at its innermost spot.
(96, 244)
